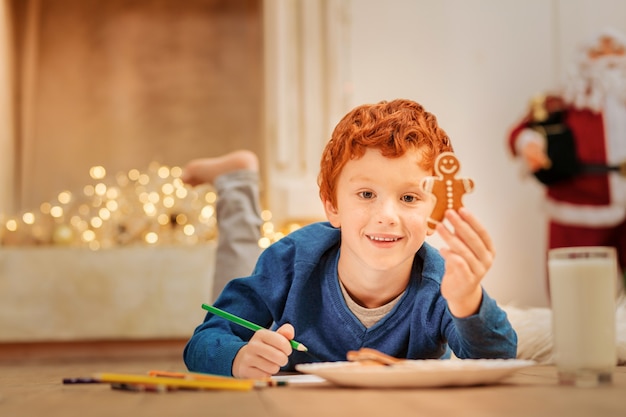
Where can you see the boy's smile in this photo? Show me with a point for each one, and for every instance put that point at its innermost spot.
(382, 213)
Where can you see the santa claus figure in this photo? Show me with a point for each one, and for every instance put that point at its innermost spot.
(574, 142)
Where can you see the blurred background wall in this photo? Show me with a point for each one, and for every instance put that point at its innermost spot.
(475, 64)
(121, 83)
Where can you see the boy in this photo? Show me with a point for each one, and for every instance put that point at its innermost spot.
(366, 278)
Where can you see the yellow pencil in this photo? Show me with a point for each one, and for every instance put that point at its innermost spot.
(217, 384)
(258, 383)
(192, 375)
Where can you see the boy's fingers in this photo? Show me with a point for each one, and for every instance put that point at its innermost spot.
(477, 227)
(270, 347)
(277, 341)
(468, 239)
(471, 232)
(287, 330)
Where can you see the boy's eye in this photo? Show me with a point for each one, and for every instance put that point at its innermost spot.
(409, 198)
(366, 194)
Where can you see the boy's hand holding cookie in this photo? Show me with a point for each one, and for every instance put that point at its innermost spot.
(470, 251)
(469, 255)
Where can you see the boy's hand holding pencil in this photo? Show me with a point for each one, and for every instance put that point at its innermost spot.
(266, 352)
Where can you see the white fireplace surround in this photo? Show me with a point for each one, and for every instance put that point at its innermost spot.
(64, 294)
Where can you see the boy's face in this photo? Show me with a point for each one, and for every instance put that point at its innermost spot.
(381, 210)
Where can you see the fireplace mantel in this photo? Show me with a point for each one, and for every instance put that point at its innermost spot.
(135, 293)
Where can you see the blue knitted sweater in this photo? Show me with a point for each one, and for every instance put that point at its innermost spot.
(295, 281)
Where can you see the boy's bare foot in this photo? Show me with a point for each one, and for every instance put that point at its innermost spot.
(206, 170)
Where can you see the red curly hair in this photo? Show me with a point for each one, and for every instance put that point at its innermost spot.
(393, 127)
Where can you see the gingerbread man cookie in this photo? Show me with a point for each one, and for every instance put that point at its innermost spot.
(447, 189)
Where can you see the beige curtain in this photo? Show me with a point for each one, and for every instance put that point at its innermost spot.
(7, 122)
(123, 83)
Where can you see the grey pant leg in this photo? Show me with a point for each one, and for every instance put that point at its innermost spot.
(239, 223)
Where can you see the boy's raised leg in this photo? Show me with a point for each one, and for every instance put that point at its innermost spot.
(235, 177)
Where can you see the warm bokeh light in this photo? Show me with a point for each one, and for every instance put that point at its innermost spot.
(89, 190)
(143, 179)
(149, 209)
(56, 211)
(28, 218)
(167, 188)
(266, 215)
(134, 208)
(207, 212)
(101, 189)
(104, 213)
(88, 235)
(168, 201)
(163, 172)
(211, 198)
(134, 174)
(45, 207)
(96, 222)
(264, 242)
(163, 219)
(113, 193)
(64, 197)
(112, 205)
(152, 238)
(181, 192)
(97, 172)
(11, 225)
(176, 172)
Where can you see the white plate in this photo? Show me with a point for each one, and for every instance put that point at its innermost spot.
(416, 373)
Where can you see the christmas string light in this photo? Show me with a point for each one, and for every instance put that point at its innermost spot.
(133, 208)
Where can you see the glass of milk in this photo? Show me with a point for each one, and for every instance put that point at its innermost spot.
(582, 293)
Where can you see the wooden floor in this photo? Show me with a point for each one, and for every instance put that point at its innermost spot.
(31, 377)
(31, 385)
(100, 350)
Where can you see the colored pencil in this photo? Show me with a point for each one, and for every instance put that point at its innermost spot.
(247, 324)
(81, 380)
(146, 380)
(258, 383)
(158, 386)
(142, 388)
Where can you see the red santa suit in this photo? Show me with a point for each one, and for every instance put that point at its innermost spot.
(590, 208)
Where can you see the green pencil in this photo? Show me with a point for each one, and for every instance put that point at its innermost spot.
(247, 324)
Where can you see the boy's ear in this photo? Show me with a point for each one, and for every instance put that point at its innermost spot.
(332, 214)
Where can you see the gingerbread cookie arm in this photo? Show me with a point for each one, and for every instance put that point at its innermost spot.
(468, 184)
(428, 184)
(432, 185)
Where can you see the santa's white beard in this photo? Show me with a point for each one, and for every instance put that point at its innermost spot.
(589, 84)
